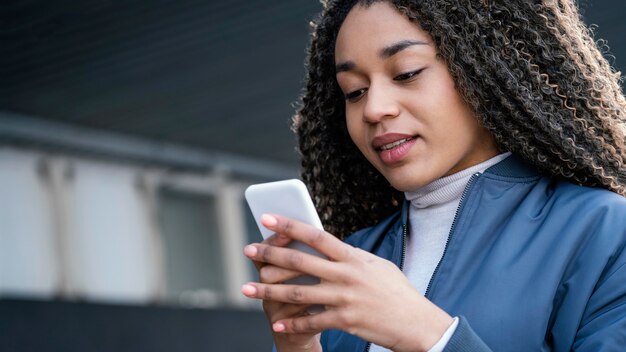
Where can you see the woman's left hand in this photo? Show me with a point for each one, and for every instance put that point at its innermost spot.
(364, 295)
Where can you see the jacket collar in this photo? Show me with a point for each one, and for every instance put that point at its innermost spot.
(513, 167)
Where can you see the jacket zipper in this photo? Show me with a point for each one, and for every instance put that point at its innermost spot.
(404, 235)
(469, 186)
(404, 238)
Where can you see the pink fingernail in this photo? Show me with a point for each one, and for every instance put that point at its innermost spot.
(248, 290)
(250, 250)
(268, 220)
(278, 327)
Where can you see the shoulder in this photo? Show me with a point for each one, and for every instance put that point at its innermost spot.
(594, 221)
(583, 200)
(541, 188)
(518, 186)
(577, 211)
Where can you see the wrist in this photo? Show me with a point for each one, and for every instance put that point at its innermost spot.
(443, 341)
(431, 324)
(439, 328)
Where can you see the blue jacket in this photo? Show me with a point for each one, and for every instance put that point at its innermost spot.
(531, 264)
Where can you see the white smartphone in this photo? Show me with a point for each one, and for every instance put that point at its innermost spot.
(288, 198)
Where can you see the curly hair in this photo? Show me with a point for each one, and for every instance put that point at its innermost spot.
(529, 69)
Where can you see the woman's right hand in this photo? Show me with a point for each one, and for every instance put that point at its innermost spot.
(274, 310)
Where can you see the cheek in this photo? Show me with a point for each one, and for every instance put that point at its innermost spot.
(457, 117)
(443, 92)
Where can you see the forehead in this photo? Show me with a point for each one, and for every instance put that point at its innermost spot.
(370, 28)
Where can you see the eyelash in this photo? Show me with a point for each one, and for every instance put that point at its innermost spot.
(352, 96)
(355, 95)
(407, 75)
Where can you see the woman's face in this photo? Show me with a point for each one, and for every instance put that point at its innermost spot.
(403, 111)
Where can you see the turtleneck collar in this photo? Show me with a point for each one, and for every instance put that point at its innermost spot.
(449, 188)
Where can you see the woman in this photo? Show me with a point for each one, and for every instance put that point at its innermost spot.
(503, 128)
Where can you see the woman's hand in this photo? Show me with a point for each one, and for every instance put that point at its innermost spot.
(363, 294)
(275, 310)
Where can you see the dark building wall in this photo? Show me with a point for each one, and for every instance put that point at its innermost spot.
(36, 326)
(192, 72)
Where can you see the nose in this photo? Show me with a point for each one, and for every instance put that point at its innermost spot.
(381, 104)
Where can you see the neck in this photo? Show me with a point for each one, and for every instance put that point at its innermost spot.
(448, 188)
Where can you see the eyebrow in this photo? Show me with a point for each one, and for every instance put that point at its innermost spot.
(345, 66)
(395, 48)
(384, 53)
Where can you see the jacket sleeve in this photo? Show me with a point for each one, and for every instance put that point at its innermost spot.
(603, 327)
(465, 339)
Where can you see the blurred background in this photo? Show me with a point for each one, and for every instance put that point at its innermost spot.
(128, 133)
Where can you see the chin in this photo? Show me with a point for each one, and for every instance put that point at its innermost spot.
(405, 188)
(403, 184)
(408, 179)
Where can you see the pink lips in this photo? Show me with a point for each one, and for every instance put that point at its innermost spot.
(396, 153)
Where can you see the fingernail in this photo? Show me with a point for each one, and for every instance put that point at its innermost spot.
(278, 327)
(268, 220)
(248, 290)
(250, 250)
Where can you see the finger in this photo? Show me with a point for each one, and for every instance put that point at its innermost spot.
(321, 240)
(250, 251)
(274, 240)
(279, 310)
(271, 274)
(278, 240)
(294, 294)
(294, 260)
(328, 319)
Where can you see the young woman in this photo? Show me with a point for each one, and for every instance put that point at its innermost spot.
(480, 147)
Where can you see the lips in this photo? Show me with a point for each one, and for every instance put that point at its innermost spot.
(395, 144)
(387, 140)
(393, 147)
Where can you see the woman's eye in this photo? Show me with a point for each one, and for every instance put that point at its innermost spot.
(407, 75)
(355, 95)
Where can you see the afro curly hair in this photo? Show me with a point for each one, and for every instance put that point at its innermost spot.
(529, 69)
